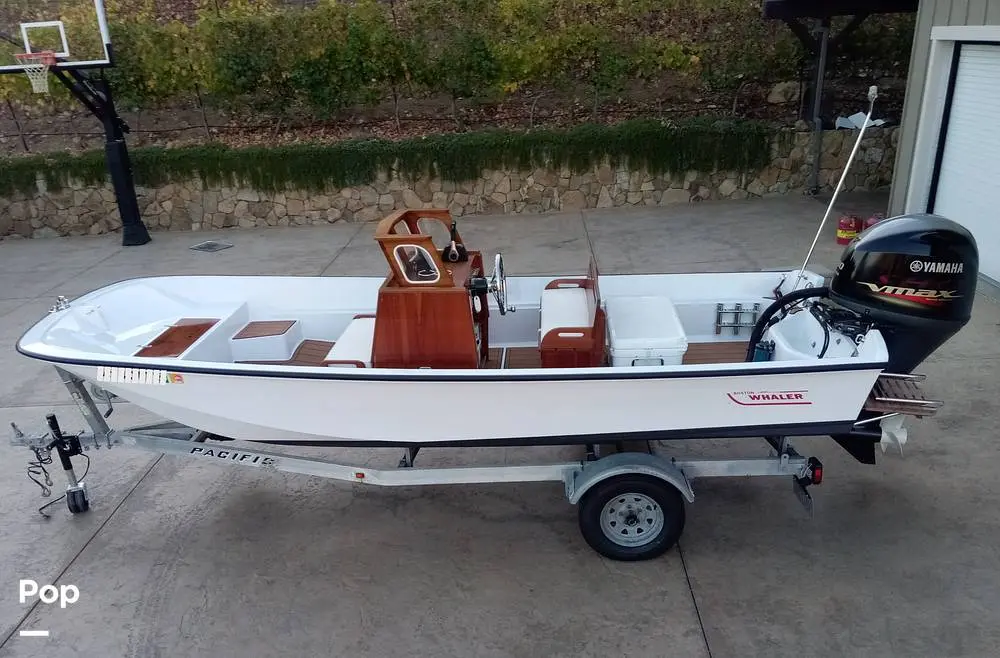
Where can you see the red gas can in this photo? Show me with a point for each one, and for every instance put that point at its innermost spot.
(847, 227)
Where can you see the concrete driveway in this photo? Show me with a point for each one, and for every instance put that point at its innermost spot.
(180, 558)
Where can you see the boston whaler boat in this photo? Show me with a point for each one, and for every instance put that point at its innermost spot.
(437, 353)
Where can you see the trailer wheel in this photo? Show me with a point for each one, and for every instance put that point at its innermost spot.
(76, 500)
(632, 517)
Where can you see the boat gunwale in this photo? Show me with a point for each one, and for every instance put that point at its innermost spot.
(304, 372)
(597, 373)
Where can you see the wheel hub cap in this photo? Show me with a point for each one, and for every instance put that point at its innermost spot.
(631, 519)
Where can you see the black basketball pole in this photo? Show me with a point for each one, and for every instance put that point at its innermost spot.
(134, 231)
(101, 104)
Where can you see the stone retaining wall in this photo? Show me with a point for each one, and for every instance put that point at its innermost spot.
(188, 206)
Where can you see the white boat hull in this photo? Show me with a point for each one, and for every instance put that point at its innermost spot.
(288, 409)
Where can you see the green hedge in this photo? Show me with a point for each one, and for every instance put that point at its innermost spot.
(659, 147)
(321, 59)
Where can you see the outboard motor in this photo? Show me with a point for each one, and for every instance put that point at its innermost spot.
(914, 276)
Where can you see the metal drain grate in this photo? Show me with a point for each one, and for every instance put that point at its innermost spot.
(212, 245)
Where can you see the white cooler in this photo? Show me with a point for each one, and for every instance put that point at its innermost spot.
(644, 331)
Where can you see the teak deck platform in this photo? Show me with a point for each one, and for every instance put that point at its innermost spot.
(177, 337)
(517, 357)
(261, 329)
(716, 352)
(901, 396)
(308, 353)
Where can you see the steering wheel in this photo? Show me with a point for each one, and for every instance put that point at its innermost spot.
(498, 284)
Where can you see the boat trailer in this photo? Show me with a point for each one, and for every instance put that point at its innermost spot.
(631, 503)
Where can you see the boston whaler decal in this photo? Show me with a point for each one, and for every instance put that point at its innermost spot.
(120, 375)
(768, 398)
(249, 458)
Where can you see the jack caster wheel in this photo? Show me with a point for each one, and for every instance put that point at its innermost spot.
(632, 517)
(76, 500)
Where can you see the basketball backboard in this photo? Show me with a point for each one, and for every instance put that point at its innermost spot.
(75, 30)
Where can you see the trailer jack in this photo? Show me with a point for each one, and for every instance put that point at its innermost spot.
(66, 448)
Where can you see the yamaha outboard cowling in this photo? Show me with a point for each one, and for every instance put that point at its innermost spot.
(915, 277)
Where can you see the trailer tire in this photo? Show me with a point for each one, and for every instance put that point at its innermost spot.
(632, 517)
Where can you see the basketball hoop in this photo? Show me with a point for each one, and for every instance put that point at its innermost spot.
(36, 67)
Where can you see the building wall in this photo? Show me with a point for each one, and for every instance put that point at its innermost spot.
(930, 14)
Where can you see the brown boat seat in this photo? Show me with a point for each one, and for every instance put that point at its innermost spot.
(571, 331)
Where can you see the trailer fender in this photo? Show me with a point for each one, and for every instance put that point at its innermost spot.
(626, 463)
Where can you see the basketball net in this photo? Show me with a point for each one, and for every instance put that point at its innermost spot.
(36, 67)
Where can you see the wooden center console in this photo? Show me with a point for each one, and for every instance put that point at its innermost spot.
(427, 317)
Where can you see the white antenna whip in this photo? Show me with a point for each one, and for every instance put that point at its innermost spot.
(872, 95)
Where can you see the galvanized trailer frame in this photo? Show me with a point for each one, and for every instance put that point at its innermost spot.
(631, 504)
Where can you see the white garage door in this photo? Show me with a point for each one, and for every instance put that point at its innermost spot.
(968, 188)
